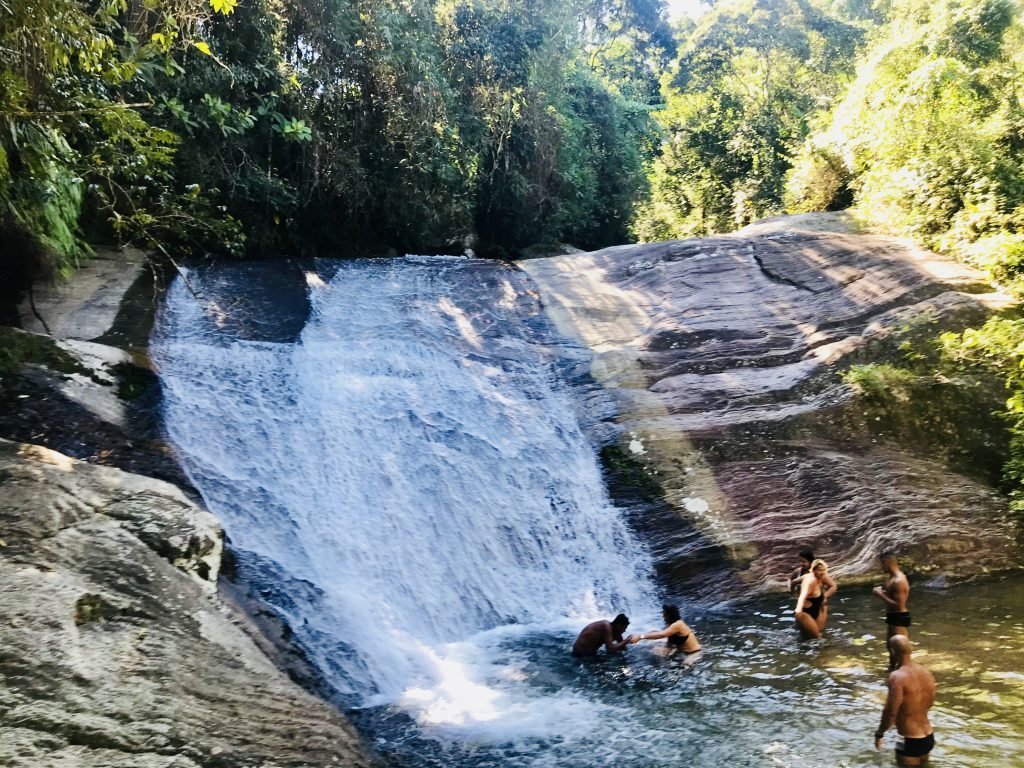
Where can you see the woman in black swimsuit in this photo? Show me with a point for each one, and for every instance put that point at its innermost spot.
(678, 636)
(811, 611)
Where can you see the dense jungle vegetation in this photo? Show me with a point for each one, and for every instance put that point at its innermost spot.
(263, 127)
(279, 126)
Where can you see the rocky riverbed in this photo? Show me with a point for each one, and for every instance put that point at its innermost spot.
(739, 440)
(117, 648)
(724, 356)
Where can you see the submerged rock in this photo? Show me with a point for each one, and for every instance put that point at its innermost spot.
(723, 355)
(116, 650)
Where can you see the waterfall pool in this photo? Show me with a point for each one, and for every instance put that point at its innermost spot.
(411, 483)
(757, 696)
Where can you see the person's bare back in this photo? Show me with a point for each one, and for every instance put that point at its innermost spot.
(916, 688)
(911, 695)
(598, 633)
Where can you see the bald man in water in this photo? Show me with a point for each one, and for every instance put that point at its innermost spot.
(911, 695)
(606, 633)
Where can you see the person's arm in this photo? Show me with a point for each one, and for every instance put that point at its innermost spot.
(611, 644)
(830, 588)
(880, 592)
(674, 628)
(805, 589)
(892, 705)
(794, 579)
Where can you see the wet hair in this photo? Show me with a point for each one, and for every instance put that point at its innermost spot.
(820, 562)
(887, 555)
(621, 620)
(806, 554)
(671, 613)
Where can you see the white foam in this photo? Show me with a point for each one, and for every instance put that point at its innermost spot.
(425, 477)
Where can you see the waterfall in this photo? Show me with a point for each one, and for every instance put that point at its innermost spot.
(409, 467)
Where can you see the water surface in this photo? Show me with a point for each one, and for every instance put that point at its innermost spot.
(401, 455)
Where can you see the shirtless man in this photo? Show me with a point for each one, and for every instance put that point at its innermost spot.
(894, 594)
(606, 633)
(911, 695)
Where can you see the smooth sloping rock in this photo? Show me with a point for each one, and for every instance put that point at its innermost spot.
(115, 650)
(722, 355)
(93, 403)
(84, 308)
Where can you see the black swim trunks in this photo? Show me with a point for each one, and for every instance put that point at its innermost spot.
(916, 747)
(898, 619)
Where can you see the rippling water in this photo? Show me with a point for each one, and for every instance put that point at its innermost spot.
(757, 696)
(401, 465)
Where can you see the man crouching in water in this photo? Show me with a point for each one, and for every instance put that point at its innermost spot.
(606, 633)
(911, 695)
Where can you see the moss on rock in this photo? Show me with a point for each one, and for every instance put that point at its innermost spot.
(18, 348)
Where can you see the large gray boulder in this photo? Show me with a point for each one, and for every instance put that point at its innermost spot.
(115, 650)
(723, 355)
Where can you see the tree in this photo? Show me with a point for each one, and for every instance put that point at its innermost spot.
(739, 105)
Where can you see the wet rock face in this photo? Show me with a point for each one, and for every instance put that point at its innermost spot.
(723, 356)
(98, 406)
(114, 648)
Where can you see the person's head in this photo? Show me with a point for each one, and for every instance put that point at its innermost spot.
(670, 613)
(806, 557)
(900, 650)
(620, 622)
(889, 562)
(819, 568)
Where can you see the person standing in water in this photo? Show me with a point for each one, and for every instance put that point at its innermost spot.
(911, 695)
(816, 588)
(678, 635)
(606, 633)
(895, 594)
(806, 558)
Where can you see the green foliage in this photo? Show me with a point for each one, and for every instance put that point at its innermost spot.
(77, 154)
(739, 106)
(925, 403)
(880, 381)
(818, 181)
(1002, 256)
(998, 346)
(420, 124)
(18, 348)
(929, 138)
(930, 130)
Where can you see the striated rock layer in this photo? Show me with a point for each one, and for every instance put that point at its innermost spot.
(114, 648)
(723, 354)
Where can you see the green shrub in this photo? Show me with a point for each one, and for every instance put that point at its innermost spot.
(818, 181)
(998, 347)
(880, 381)
(1002, 256)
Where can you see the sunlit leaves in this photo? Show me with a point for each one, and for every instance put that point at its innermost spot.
(292, 129)
(929, 135)
(738, 110)
(224, 6)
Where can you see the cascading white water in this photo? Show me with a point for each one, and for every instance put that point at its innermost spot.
(406, 481)
(413, 459)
